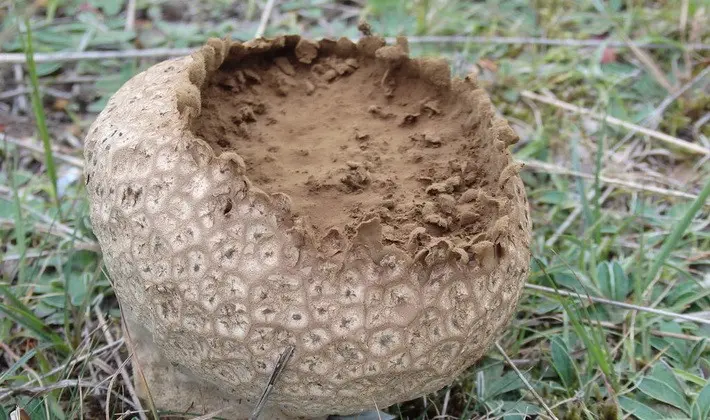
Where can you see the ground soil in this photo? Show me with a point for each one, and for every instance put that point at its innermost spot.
(360, 131)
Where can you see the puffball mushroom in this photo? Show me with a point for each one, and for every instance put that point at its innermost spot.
(321, 194)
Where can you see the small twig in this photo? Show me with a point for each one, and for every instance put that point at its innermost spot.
(20, 90)
(445, 405)
(551, 168)
(657, 333)
(130, 15)
(67, 56)
(660, 312)
(39, 390)
(653, 120)
(41, 254)
(687, 146)
(107, 409)
(525, 381)
(700, 122)
(265, 16)
(654, 116)
(464, 39)
(110, 389)
(53, 229)
(280, 366)
(651, 66)
(79, 163)
(20, 102)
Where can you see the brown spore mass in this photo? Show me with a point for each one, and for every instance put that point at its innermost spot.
(351, 132)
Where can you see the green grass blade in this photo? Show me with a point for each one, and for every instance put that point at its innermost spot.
(39, 114)
(20, 233)
(677, 233)
(597, 210)
(21, 361)
(18, 311)
(592, 341)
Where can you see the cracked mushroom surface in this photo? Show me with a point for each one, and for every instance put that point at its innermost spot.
(342, 198)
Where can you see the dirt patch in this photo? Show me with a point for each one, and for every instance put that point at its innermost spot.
(355, 131)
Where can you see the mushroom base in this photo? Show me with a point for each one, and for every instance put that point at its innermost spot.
(158, 380)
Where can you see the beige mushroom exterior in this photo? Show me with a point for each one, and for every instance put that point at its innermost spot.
(215, 278)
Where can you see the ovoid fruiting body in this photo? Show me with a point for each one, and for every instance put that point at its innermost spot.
(216, 277)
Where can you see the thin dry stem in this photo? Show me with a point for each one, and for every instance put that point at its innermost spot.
(36, 391)
(525, 381)
(265, 16)
(130, 15)
(555, 169)
(660, 312)
(652, 67)
(124, 374)
(663, 137)
(68, 56)
(79, 163)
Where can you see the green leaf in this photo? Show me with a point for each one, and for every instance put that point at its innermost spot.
(77, 287)
(605, 278)
(662, 372)
(519, 408)
(696, 352)
(506, 383)
(109, 7)
(663, 392)
(702, 401)
(639, 410)
(689, 377)
(112, 37)
(671, 241)
(563, 363)
(38, 111)
(45, 69)
(621, 281)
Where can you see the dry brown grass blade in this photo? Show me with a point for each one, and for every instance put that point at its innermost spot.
(265, 16)
(120, 363)
(130, 15)
(660, 312)
(67, 56)
(555, 169)
(79, 163)
(663, 137)
(525, 382)
(36, 391)
(651, 66)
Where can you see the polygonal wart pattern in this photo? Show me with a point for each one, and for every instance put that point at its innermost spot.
(222, 280)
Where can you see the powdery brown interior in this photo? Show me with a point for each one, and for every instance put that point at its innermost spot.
(356, 132)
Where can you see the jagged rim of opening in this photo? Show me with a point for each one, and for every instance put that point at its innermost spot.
(217, 52)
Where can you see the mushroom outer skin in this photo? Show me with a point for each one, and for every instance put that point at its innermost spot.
(215, 277)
